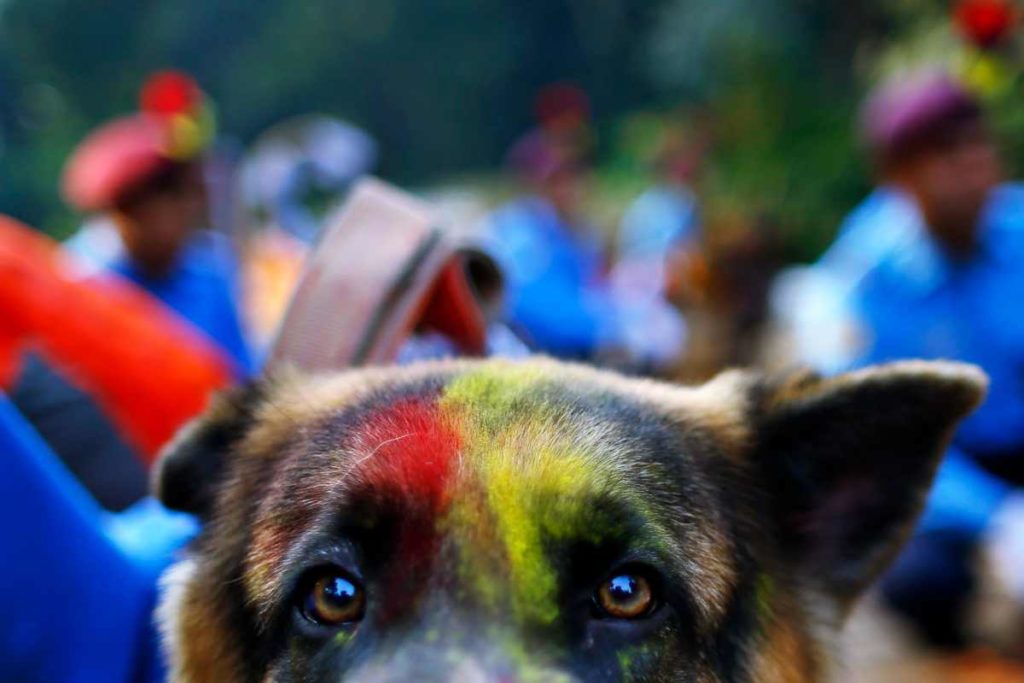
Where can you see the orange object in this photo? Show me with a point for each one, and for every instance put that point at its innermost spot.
(272, 262)
(146, 367)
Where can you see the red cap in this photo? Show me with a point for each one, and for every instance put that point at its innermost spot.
(113, 160)
(176, 123)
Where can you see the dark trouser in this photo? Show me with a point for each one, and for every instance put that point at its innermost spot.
(932, 581)
(80, 434)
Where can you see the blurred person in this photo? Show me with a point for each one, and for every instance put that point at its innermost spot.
(141, 178)
(932, 264)
(664, 219)
(135, 363)
(552, 260)
(558, 292)
(659, 243)
(563, 114)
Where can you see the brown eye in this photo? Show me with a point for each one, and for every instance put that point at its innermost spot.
(334, 599)
(626, 595)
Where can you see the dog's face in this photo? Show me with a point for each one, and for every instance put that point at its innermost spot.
(492, 521)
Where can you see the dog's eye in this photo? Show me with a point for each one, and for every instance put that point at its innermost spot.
(333, 599)
(626, 595)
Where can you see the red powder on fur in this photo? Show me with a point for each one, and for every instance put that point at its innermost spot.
(407, 451)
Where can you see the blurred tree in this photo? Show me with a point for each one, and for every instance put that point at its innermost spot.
(780, 80)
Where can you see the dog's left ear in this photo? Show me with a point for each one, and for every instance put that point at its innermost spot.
(192, 466)
(848, 461)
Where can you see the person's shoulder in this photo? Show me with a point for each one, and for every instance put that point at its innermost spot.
(904, 274)
(524, 209)
(1009, 194)
(883, 206)
(514, 235)
(209, 254)
(200, 274)
(525, 219)
(96, 244)
(1004, 216)
(882, 226)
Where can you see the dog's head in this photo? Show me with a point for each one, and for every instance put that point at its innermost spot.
(541, 521)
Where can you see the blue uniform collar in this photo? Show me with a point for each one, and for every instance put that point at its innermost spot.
(923, 264)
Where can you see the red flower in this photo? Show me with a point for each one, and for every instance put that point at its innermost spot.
(167, 93)
(986, 23)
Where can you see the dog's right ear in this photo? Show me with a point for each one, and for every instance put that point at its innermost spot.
(192, 466)
(848, 461)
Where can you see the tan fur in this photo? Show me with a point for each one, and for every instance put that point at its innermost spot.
(804, 386)
(191, 624)
(784, 658)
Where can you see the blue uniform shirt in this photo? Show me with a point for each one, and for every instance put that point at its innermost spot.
(917, 302)
(200, 287)
(885, 221)
(78, 585)
(658, 219)
(554, 279)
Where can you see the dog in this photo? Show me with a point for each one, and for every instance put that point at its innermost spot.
(540, 521)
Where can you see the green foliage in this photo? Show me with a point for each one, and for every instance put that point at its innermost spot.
(778, 79)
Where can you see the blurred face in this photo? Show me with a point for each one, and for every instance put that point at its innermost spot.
(565, 190)
(951, 184)
(156, 225)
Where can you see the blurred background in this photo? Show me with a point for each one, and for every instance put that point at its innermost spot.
(656, 180)
(445, 87)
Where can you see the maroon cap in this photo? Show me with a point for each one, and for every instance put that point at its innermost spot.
(537, 156)
(905, 112)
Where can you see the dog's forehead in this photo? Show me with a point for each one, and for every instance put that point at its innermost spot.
(507, 456)
(540, 389)
(417, 434)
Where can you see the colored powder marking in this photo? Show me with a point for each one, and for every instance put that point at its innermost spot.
(519, 494)
(764, 590)
(407, 450)
(492, 394)
(625, 662)
(632, 658)
(531, 577)
(502, 468)
(532, 476)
